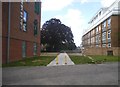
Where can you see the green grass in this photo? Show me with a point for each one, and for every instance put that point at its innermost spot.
(80, 59)
(34, 61)
(105, 58)
(97, 59)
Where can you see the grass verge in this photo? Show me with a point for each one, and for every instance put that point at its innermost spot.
(97, 59)
(33, 61)
(80, 59)
(100, 59)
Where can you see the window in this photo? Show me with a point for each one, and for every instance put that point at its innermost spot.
(104, 26)
(25, 15)
(109, 23)
(21, 15)
(109, 34)
(110, 53)
(97, 39)
(35, 49)
(104, 37)
(88, 41)
(97, 45)
(37, 7)
(35, 27)
(109, 45)
(100, 13)
(23, 49)
(97, 30)
(103, 45)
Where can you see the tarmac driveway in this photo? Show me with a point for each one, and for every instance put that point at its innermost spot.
(95, 74)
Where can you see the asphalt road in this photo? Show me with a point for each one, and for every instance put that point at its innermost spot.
(100, 74)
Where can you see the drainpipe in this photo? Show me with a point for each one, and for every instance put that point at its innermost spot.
(8, 44)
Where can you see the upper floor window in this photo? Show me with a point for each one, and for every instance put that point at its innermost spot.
(109, 34)
(35, 27)
(109, 22)
(97, 39)
(104, 37)
(104, 26)
(25, 15)
(97, 30)
(37, 7)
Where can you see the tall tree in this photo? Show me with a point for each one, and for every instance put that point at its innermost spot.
(57, 36)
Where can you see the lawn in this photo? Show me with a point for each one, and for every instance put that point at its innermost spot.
(97, 59)
(80, 59)
(34, 61)
(100, 59)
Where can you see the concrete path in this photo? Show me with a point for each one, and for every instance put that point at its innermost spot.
(61, 59)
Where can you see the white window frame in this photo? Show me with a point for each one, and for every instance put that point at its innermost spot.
(109, 23)
(103, 45)
(109, 33)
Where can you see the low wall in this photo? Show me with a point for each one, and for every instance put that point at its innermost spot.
(101, 51)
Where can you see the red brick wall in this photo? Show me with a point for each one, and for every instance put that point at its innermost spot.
(102, 51)
(114, 33)
(15, 23)
(4, 49)
(15, 49)
(4, 30)
(17, 35)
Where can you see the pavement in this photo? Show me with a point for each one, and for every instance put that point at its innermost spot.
(61, 59)
(84, 74)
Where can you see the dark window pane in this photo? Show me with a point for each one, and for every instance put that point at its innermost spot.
(35, 27)
(37, 7)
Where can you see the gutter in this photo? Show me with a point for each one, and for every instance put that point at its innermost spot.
(8, 44)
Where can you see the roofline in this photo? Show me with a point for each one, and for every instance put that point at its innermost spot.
(105, 16)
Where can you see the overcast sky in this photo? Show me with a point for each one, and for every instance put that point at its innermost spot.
(73, 13)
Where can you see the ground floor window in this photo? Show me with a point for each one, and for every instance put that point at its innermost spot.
(23, 49)
(110, 53)
(35, 49)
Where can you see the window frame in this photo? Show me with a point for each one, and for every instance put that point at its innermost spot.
(35, 26)
(24, 49)
(34, 48)
(109, 45)
(37, 8)
(109, 23)
(25, 21)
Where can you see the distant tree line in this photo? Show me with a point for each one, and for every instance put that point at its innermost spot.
(56, 36)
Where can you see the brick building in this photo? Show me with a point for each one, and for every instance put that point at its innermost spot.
(20, 30)
(103, 35)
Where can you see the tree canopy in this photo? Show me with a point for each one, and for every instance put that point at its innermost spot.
(57, 36)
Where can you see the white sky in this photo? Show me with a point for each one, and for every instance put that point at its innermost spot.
(69, 15)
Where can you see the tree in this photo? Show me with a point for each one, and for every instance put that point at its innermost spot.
(57, 36)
